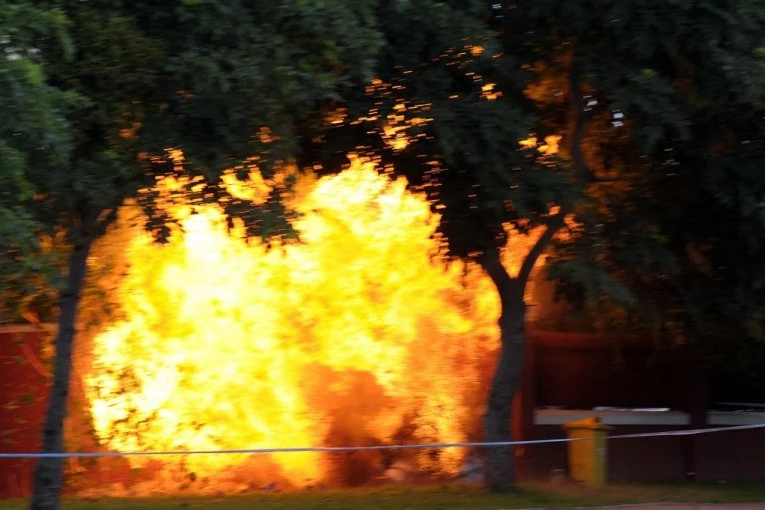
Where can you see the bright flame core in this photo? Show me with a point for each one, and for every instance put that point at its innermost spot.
(357, 335)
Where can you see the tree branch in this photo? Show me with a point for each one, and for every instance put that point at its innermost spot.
(584, 175)
(578, 125)
(554, 224)
(104, 219)
(491, 262)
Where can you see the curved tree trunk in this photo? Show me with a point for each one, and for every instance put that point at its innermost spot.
(500, 467)
(48, 476)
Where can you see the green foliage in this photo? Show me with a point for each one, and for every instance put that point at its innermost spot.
(663, 104)
(95, 93)
(673, 137)
(30, 129)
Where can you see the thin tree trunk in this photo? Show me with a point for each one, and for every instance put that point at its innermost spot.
(48, 476)
(498, 421)
(500, 466)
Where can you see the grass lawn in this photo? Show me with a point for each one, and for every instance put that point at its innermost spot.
(436, 498)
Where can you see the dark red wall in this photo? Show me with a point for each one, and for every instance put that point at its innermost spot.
(24, 383)
(581, 371)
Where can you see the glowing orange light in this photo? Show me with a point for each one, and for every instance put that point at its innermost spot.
(489, 92)
(548, 148)
(477, 50)
(357, 334)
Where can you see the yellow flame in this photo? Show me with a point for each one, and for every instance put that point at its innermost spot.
(550, 146)
(356, 335)
(489, 92)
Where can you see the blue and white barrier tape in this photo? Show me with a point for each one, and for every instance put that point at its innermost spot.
(325, 449)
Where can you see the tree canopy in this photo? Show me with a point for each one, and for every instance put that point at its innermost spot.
(33, 135)
(673, 94)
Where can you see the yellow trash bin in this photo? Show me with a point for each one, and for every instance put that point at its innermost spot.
(587, 454)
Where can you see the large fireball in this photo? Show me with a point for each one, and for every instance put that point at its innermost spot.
(357, 335)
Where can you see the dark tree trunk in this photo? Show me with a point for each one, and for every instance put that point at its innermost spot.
(48, 476)
(500, 467)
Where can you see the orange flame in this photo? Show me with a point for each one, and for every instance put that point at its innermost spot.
(356, 335)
